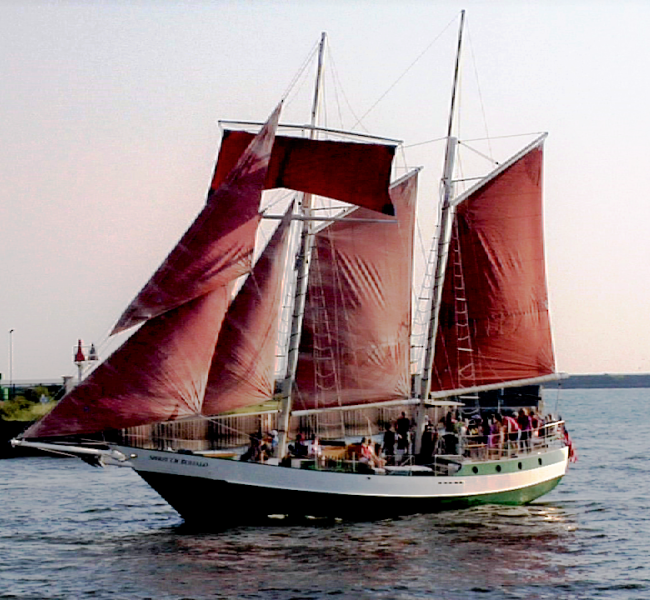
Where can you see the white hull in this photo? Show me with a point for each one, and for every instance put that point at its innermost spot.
(218, 489)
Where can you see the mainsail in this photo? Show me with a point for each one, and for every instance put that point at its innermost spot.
(494, 324)
(357, 324)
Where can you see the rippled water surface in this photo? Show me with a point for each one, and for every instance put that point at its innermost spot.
(70, 531)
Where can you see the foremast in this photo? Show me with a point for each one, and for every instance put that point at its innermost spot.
(302, 278)
(446, 217)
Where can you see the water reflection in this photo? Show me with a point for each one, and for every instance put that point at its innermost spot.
(480, 549)
(69, 531)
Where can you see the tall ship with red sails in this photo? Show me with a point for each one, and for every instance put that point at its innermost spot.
(179, 401)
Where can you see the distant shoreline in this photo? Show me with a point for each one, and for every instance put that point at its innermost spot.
(10, 429)
(604, 380)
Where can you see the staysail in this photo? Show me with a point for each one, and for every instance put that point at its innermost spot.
(356, 330)
(160, 372)
(494, 324)
(218, 247)
(243, 368)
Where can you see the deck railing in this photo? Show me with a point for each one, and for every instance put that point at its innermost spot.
(503, 444)
(479, 447)
(445, 454)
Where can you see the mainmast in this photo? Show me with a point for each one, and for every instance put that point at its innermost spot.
(446, 217)
(302, 277)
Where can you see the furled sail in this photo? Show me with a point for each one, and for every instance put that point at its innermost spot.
(352, 172)
(218, 247)
(494, 324)
(160, 372)
(356, 329)
(243, 367)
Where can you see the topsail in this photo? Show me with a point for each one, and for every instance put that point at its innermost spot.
(348, 171)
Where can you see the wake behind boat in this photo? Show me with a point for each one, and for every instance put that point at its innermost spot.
(180, 398)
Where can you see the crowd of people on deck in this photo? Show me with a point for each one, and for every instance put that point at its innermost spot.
(262, 448)
(485, 434)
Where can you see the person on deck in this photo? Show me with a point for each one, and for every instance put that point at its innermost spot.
(300, 449)
(512, 430)
(428, 448)
(403, 427)
(253, 453)
(368, 455)
(274, 442)
(388, 446)
(315, 449)
(266, 449)
(537, 425)
(496, 436)
(526, 426)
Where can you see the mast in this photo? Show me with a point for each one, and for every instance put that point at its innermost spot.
(302, 278)
(446, 218)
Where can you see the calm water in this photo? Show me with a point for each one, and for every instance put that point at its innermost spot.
(69, 531)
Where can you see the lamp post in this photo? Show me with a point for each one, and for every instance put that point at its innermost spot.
(11, 361)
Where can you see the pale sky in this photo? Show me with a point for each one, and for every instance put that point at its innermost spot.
(109, 132)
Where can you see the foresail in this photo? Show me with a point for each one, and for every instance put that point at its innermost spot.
(356, 329)
(494, 324)
(218, 246)
(348, 171)
(243, 368)
(158, 374)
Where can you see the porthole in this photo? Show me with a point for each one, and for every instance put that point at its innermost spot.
(520, 466)
(474, 469)
(498, 468)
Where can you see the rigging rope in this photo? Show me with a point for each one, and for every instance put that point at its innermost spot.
(301, 71)
(404, 73)
(480, 94)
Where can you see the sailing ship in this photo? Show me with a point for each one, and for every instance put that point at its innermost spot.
(179, 399)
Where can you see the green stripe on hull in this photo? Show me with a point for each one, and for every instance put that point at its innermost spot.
(511, 497)
(511, 465)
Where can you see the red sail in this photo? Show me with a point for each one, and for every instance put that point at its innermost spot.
(158, 374)
(357, 324)
(494, 322)
(218, 246)
(243, 368)
(354, 173)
